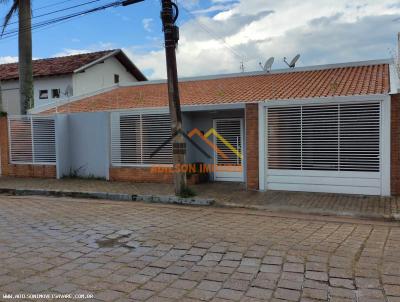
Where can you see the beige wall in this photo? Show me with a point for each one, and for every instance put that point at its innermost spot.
(101, 76)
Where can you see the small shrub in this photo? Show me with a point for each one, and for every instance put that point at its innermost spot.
(3, 113)
(187, 193)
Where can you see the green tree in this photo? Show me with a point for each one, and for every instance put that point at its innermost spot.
(23, 9)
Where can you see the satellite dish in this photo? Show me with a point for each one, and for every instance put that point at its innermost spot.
(268, 64)
(293, 62)
(68, 91)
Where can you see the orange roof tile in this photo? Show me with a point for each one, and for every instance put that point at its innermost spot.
(52, 66)
(340, 81)
(67, 65)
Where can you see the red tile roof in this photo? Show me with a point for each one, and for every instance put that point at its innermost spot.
(62, 65)
(340, 81)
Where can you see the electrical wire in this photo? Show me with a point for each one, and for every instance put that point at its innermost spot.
(57, 11)
(215, 35)
(51, 5)
(14, 33)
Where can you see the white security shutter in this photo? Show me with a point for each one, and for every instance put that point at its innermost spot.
(230, 131)
(320, 137)
(324, 148)
(284, 138)
(20, 139)
(156, 130)
(44, 140)
(135, 137)
(32, 140)
(359, 137)
(340, 137)
(130, 146)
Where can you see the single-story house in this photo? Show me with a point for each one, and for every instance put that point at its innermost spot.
(61, 78)
(330, 128)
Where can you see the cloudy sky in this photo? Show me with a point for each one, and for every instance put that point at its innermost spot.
(217, 35)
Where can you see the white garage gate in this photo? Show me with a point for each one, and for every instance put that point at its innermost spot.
(331, 147)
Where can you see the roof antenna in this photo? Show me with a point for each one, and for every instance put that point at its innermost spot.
(242, 66)
(268, 65)
(293, 62)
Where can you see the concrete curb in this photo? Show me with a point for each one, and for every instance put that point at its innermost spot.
(322, 212)
(111, 196)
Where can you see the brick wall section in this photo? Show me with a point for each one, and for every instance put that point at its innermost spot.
(136, 174)
(7, 169)
(4, 145)
(395, 144)
(252, 163)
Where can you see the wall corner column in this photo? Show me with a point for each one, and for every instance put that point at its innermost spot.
(252, 147)
(395, 145)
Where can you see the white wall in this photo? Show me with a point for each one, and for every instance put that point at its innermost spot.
(89, 144)
(10, 94)
(49, 83)
(101, 76)
(62, 145)
(83, 144)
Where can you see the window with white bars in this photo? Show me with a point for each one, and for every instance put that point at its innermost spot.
(340, 137)
(231, 131)
(135, 138)
(32, 140)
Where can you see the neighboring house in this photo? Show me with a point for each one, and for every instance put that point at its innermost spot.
(332, 128)
(61, 78)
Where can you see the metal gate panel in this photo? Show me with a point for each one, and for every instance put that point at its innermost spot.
(324, 148)
(229, 168)
(32, 140)
(135, 137)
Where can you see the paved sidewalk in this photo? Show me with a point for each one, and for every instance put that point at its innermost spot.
(234, 195)
(140, 252)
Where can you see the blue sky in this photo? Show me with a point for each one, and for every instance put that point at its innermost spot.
(217, 35)
(121, 26)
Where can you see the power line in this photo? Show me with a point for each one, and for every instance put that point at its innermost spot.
(60, 10)
(13, 33)
(51, 5)
(215, 35)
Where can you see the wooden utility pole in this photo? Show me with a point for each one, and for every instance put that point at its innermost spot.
(1, 99)
(169, 14)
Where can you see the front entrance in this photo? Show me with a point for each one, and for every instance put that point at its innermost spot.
(228, 163)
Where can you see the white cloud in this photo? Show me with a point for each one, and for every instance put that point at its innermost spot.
(325, 31)
(147, 23)
(8, 59)
(92, 48)
(71, 52)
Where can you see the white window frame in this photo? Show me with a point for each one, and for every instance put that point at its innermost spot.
(33, 162)
(384, 134)
(52, 93)
(138, 112)
(40, 93)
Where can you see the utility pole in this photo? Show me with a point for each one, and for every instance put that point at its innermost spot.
(1, 99)
(169, 15)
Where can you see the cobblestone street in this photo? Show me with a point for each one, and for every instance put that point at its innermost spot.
(140, 252)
